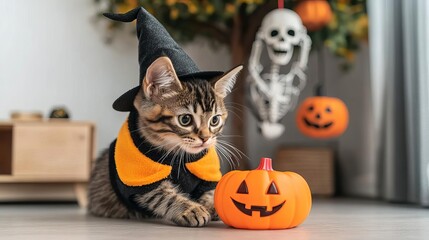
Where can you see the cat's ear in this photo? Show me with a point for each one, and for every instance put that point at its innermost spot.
(161, 81)
(223, 86)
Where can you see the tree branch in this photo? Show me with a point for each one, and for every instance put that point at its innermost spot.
(253, 21)
(215, 31)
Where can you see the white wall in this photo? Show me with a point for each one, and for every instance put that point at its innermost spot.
(53, 53)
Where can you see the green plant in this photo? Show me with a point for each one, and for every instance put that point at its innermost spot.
(235, 22)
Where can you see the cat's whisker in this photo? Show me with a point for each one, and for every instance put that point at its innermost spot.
(143, 141)
(231, 153)
(161, 160)
(224, 158)
(180, 162)
(183, 157)
(157, 147)
(236, 108)
(238, 105)
(165, 146)
(178, 154)
(222, 154)
(241, 109)
(235, 149)
(235, 114)
(139, 129)
(228, 136)
(226, 155)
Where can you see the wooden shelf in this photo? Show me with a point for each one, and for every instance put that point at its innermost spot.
(47, 179)
(46, 152)
(5, 149)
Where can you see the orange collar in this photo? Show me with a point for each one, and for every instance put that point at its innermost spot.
(136, 169)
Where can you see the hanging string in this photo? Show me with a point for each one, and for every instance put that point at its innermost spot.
(320, 91)
(280, 3)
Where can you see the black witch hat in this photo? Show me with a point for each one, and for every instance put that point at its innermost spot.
(155, 42)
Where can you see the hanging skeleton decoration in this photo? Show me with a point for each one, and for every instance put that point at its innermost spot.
(272, 93)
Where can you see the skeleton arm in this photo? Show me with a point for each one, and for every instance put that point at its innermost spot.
(299, 66)
(255, 68)
(297, 71)
(305, 45)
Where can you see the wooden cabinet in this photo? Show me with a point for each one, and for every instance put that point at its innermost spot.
(45, 154)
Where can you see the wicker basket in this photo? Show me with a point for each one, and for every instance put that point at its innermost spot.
(316, 165)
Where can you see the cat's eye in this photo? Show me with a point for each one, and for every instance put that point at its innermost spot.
(215, 121)
(185, 120)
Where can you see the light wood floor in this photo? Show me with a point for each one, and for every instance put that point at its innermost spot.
(329, 219)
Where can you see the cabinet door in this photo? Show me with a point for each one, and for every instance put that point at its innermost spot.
(52, 151)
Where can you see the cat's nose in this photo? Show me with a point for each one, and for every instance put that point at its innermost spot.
(204, 139)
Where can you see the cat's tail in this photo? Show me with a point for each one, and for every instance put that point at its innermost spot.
(125, 17)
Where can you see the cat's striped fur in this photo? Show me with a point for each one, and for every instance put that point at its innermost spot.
(161, 104)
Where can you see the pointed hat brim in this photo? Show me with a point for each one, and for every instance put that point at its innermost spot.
(155, 42)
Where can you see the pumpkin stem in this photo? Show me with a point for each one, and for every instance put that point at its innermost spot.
(265, 164)
(319, 90)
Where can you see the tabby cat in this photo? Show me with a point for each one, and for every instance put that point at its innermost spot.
(164, 163)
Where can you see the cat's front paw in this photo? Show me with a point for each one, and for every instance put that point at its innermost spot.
(194, 216)
(211, 209)
(214, 215)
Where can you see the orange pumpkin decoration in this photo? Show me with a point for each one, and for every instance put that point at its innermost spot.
(322, 117)
(262, 198)
(314, 14)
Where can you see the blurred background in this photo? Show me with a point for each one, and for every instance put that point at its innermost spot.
(373, 56)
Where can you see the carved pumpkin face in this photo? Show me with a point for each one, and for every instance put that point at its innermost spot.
(262, 198)
(322, 117)
(314, 14)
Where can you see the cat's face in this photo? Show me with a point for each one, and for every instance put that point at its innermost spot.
(186, 115)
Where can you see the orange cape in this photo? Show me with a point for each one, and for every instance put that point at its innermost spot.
(136, 169)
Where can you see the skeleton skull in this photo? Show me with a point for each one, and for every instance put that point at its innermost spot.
(281, 30)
